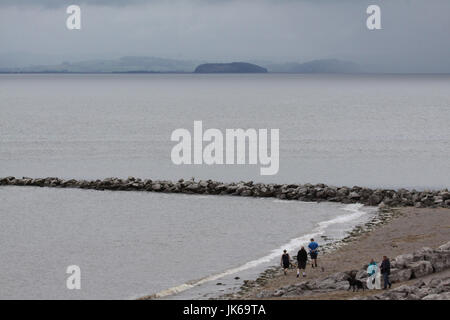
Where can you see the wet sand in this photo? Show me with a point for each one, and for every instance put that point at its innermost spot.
(410, 230)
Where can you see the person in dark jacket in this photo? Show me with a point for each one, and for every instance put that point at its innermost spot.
(385, 269)
(302, 258)
(285, 261)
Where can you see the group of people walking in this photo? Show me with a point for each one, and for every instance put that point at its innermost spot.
(374, 271)
(302, 258)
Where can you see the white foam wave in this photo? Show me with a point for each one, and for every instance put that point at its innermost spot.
(356, 213)
(291, 245)
(290, 201)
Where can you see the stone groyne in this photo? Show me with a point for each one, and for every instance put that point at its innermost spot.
(302, 192)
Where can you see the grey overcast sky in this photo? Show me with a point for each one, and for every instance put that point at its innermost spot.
(414, 36)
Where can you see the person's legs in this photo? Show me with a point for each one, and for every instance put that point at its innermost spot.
(301, 267)
(313, 259)
(386, 281)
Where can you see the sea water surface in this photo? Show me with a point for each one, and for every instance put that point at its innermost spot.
(368, 130)
(133, 244)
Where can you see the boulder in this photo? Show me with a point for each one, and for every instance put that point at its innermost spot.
(338, 276)
(335, 281)
(194, 187)
(342, 285)
(393, 295)
(443, 286)
(434, 283)
(434, 296)
(438, 200)
(279, 293)
(342, 192)
(326, 284)
(423, 254)
(330, 192)
(403, 260)
(419, 204)
(423, 292)
(400, 275)
(440, 260)
(354, 195)
(420, 268)
(445, 247)
(374, 200)
(264, 294)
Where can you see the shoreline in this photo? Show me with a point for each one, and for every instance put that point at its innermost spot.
(259, 265)
(382, 216)
(404, 230)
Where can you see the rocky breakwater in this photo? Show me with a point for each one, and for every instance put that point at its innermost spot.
(302, 192)
(423, 262)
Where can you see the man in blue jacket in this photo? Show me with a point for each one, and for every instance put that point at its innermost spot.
(313, 251)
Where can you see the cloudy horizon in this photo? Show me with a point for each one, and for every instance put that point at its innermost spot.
(414, 35)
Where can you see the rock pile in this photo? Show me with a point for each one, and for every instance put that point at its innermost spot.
(303, 192)
(436, 289)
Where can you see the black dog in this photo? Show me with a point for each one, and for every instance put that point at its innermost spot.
(355, 284)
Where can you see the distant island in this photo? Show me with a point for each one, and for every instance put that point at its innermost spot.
(142, 64)
(234, 67)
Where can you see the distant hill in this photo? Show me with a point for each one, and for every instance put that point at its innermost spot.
(317, 66)
(234, 67)
(130, 64)
(142, 64)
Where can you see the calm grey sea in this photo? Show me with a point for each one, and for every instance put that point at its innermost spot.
(370, 130)
(377, 130)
